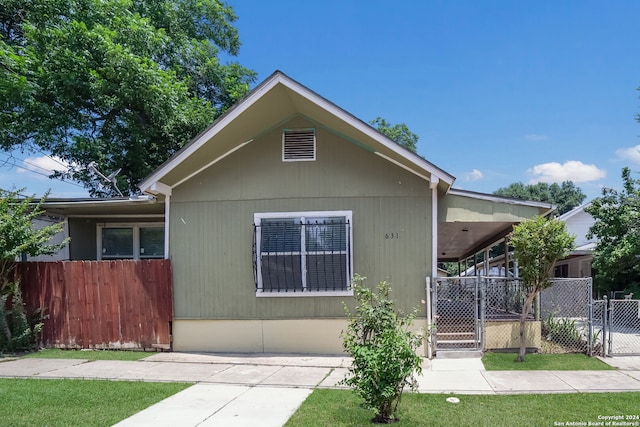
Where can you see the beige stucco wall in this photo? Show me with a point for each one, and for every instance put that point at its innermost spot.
(502, 335)
(311, 336)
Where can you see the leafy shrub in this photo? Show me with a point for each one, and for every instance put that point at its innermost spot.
(383, 350)
(18, 331)
(562, 331)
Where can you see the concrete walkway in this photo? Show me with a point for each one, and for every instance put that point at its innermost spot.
(250, 390)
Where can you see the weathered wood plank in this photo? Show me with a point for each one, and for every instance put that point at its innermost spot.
(101, 304)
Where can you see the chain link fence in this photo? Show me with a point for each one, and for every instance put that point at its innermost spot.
(565, 315)
(484, 313)
(456, 314)
(623, 332)
(599, 327)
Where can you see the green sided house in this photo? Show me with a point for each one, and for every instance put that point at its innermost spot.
(271, 211)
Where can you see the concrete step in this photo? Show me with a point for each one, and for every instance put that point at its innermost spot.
(448, 342)
(458, 354)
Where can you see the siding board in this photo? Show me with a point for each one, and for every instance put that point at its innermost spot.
(211, 225)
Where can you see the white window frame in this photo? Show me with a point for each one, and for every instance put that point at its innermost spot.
(136, 226)
(258, 217)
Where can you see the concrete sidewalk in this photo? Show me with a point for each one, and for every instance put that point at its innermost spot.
(265, 390)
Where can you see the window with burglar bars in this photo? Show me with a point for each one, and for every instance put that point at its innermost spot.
(302, 252)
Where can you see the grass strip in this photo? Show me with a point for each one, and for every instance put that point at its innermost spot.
(336, 408)
(549, 362)
(40, 402)
(56, 353)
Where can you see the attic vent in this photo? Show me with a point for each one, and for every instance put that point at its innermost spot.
(298, 145)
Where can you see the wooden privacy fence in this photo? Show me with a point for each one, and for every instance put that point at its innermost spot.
(121, 304)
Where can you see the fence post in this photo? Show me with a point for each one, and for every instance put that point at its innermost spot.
(434, 315)
(590, 342)
(476, 314)
(482, 312)
(429, 319)
(605, 336)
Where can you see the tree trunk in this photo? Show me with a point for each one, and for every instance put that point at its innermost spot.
(523, 321)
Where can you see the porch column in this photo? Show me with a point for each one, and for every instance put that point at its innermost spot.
(166, 190)
(433, 185)
(506, 258)
(167, 211)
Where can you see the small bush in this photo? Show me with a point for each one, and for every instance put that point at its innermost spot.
(18, 331)
(563, 331)
(383, 350)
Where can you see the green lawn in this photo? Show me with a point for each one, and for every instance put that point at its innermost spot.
(54, 353)
(336, 408)
(551, 362)
(39, 402)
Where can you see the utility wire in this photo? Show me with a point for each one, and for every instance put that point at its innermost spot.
(11, 161)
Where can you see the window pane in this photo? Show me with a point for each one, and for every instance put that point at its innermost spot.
(281, 273)
(280, 235)
(327, 272)
(117, 242)
(326, 234)
(151, 242)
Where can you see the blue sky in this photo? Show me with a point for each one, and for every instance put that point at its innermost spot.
(498, 91)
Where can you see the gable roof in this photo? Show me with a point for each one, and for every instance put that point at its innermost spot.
(573, 212)
(270, 104)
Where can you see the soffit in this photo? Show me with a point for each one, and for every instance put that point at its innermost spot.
(470, 222)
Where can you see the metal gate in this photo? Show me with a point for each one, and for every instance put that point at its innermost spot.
(479, 313)
(617, 326)
(456, 313)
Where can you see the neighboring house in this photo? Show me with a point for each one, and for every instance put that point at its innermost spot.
(43, 221)
(270, 211)
(578, 263)
(108, 228)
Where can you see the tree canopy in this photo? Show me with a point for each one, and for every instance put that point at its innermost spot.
(17, 234)
(118, 82)
(537, 244)
(616, 260)
(565, 196)
(400, 133)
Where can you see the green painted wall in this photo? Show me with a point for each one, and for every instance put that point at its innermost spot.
(212, 225)
(453, 208)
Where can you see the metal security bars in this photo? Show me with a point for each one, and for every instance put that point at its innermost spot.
(302, 254)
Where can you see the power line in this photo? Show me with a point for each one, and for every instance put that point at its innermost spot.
(52, 158)
(11, 161)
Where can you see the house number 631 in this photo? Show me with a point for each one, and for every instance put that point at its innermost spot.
(391, 236)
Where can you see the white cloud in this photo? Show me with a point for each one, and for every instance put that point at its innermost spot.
(535, 137)
(631, 154)
(572, 170)
(44, 164)
(474, 175)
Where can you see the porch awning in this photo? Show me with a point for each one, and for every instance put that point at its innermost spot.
(468, 222)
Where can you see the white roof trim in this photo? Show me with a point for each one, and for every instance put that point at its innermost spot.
(500, 199)
(280, 78)
(403, 166)
(208, 165)
(208, 133)
(362, 127)
(97, 202)
(565, 216)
